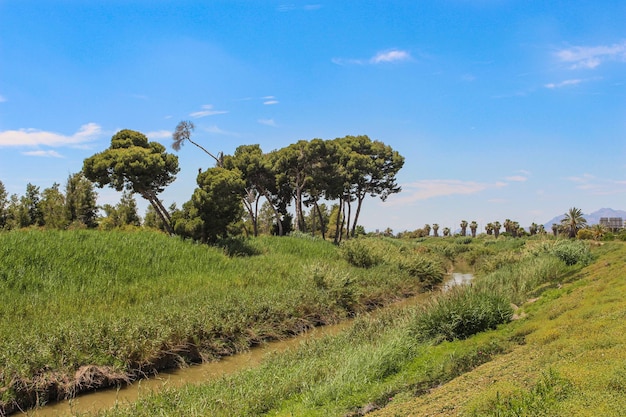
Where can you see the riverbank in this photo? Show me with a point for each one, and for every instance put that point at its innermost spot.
(387, 358)
(82, 310)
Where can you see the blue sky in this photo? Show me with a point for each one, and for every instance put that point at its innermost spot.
(502, 108)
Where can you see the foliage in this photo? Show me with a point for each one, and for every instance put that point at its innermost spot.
(573, 221)
(132, 163)
(572, 252)
(460, 313)
(359, 254)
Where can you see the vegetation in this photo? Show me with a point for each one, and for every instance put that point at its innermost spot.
(381, 361)
(119, 305)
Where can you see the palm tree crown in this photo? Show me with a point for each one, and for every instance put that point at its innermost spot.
(573, 221)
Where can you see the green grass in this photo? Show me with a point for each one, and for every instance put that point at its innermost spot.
(379, 360)
(132, 302)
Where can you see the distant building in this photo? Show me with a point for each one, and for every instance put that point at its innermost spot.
(614, 224)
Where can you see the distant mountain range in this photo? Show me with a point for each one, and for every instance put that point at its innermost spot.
(592, 218)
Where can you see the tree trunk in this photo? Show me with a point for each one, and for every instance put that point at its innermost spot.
(276, 213)
(319, 214)
(356, 215)
(158, 207)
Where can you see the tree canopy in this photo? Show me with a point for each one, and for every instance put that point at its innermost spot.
(133, 163)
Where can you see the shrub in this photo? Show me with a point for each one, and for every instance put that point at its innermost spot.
(572, 252)
(460, 313)
(584, 234)
(359, 254)
(427, 271)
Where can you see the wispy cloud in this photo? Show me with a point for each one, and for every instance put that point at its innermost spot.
(207, 110)
(217, 131)
(45, 154)
(2, 98)
(427, 189)
(270, 102)
(598, 186)
(267, 122)
(393, 55)
(389, 56)
(159, 134)
(592, 56)
(291, 7)
(33, 137)
(563, 83)
(516, 178)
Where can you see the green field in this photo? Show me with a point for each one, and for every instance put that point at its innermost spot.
(82, 309)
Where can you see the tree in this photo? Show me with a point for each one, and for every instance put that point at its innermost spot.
(496, 229)
(134, 164)
(555, 229)
(446, 231)
(372, 167)
(81, 201)
(533, 229)
(53, 208)
(214, 204)
(435, 230)
(4, 202)
(473, 226)
(489, 229)
(30, 201)
(124, 213)
(598, 231)
(426, 229)
(573, 221)
(183, 133)
(463, 225)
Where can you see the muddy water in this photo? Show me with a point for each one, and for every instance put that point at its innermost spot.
(108, 398)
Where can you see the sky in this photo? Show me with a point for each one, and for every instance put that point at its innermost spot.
(502, 108)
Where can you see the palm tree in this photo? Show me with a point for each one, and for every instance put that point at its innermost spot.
(435, 230)
(573, 221)
(473, 227)
(489, 229)
(541, 230)
(555, 229)
(446, 231)
(427, 229)
(463, 227)
(496, 229)
(533, 229)
(598, 231)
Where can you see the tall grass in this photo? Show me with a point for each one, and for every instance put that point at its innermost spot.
(134, 302)
(395, 354)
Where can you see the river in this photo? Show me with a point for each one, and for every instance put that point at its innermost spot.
(107, 398)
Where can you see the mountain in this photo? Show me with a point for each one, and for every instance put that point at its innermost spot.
(592, 218)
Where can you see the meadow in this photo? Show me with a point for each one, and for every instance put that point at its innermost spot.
(86, 309)
(386, 358)
(82, 310)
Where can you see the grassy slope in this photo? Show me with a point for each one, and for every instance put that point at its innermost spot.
(83, 309)
(572, 362)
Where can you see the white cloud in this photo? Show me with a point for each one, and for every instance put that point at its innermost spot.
(292, 7)
(216, 130)
(427, 189)
(207, 110)
(46, 154)
(516, 178)
(34, 137)
(267, 122)
(592, 56)
(598, 186)
(159, 134)
(270, 102)
(393, 55)
(563, 83)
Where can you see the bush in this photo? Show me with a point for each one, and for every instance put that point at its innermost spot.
(427, 271)
(359, 254)
(584, 234)
(460, 313)
(572, 252)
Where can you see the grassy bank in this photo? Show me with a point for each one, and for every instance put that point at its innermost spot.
(83, 309)
(386, 360)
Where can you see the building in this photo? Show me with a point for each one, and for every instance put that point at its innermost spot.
(614, 224)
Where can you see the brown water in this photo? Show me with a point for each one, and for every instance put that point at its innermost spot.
(108, 398)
